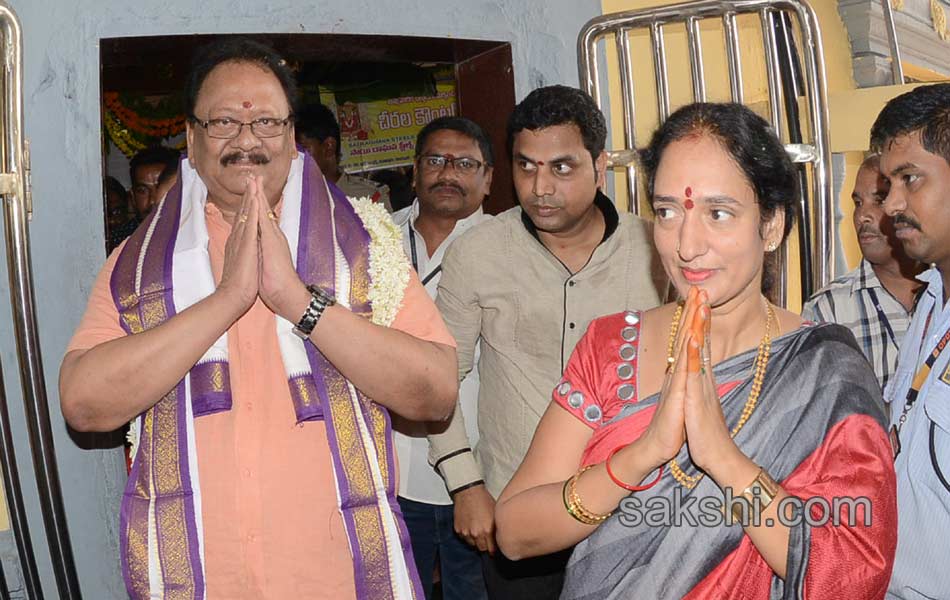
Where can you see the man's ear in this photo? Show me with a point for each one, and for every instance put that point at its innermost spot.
(489, 171)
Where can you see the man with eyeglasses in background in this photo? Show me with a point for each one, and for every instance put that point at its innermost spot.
(524, 286)
(258, 328)
(453, 175)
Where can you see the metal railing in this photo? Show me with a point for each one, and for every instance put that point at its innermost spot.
(897, 69)
(17, 206)
(782, 64)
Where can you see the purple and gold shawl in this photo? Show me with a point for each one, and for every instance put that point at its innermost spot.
(161, 532)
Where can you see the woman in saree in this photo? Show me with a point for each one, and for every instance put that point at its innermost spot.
(721, 397)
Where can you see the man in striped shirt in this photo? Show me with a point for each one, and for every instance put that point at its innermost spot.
(875, 300)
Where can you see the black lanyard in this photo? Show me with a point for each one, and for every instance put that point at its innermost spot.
(933, 459)
(882, 317)
(415, 259)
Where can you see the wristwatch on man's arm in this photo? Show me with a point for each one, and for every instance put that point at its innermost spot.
(319, 301)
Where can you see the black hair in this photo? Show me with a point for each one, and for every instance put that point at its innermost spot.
(239, 50)
(113, 185)
(560, 105)
(748, 139)
(925, 109)
(168, 172)
(155, 155)
(462, 125)
(317, 122)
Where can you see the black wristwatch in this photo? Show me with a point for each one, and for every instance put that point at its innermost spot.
(319, 301)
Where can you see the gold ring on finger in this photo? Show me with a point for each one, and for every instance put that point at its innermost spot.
(242, 219)
(271, 215)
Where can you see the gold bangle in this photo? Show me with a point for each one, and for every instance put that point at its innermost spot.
(763, 488)
(574, 506)
(569, 505)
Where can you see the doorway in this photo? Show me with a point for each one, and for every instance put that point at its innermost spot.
(383, 90)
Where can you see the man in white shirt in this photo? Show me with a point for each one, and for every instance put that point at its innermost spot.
(453, 172)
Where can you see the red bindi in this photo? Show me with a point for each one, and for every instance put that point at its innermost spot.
(540, 163)
(247, 104)
(688, 203)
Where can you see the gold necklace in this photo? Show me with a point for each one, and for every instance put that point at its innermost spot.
(761, 362)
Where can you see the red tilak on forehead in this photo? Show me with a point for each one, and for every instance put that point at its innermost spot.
(247, 104)
(540, 163)
(688, 203)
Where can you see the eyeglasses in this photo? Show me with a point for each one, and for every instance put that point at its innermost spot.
(434, 163)
(227, 128)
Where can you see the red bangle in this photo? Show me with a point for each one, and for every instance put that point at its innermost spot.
(626, 486)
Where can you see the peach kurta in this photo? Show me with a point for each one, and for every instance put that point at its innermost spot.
(271, 524)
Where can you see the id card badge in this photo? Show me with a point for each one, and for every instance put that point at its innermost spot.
(895, 441)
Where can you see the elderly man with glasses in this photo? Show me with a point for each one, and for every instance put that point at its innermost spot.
(248, 330)
(453, 174)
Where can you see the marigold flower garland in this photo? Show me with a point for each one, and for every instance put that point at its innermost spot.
(132, 131)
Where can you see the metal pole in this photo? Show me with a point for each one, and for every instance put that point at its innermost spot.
(696, 59)
(824, 248)
(629, 129)
(659, 70)
(772, 70)
(734, 58)
(897, 69)
(13, 187)
(17, 510)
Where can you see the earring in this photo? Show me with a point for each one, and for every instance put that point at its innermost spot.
(771, 247)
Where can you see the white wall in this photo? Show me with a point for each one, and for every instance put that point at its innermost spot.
(62, 121)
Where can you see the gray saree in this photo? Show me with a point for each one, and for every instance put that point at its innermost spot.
(818, 429)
